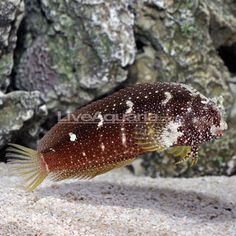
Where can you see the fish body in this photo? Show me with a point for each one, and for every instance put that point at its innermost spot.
(113, 131)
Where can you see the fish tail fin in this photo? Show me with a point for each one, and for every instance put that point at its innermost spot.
(28, 164)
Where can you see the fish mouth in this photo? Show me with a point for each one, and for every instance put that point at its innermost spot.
(219, 133)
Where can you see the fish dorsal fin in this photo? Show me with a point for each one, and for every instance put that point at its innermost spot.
(147, 134)
(89, 173)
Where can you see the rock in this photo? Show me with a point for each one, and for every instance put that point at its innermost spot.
(144, 69)
(222, 22)
(11, 14)
(233, 89)
(183, 49)
(17, 108)
(78, 51)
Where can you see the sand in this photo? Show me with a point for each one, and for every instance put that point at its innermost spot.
(118, 203)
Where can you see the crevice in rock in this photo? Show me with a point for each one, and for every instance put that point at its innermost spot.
(19, 49)
(228, 55)
(2, 155)
(140, 45)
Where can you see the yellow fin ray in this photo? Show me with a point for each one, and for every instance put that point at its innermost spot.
(25, 162)
(181, 151)
(109, 167)
(90, 172)
(147, 134)
(184, 152)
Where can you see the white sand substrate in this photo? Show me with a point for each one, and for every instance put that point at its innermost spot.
(118, 203)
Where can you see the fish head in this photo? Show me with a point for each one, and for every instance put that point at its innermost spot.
(204, 121)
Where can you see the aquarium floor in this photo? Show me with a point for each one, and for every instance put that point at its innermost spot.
(119, 203)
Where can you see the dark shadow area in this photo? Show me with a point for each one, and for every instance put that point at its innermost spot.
(140, 45)
(2, 155)
(174, 203)
(228, 55)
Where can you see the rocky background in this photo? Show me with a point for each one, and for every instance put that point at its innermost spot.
(58, 55)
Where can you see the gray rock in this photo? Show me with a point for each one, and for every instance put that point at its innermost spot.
(222, 22)
(182, 46)
(233, 89)
(77, 52)
(11, 14)
(16, 109)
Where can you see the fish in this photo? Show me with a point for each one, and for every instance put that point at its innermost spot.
(113, 131)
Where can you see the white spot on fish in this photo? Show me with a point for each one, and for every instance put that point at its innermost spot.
(102, 146)
(130, 105)
(167, 99)
(73, 137)
(170, 134)
(189, 109)
(204, 101)
(123, 136)
(100, 117)
(84, 154)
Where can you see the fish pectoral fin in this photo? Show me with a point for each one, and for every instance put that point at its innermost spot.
(89, 173)
(147, 134)
(148, 144)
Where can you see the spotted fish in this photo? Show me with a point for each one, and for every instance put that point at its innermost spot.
(113, 131)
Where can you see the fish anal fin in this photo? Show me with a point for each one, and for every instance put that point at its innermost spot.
(109, 167)
(89, 173)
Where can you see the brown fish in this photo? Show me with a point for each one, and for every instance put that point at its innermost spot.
(113, 131)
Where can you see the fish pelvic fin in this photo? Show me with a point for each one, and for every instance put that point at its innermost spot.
(28, 164)
(185, 153)
(180, 151)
